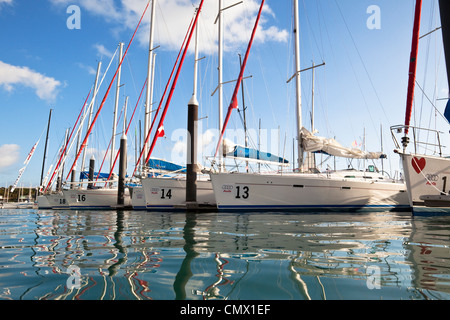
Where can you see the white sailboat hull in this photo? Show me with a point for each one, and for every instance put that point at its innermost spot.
(138, 198)
(428, 181)
(57, 201)
(241, 191)
(43, 202)
(168, 193)
(95, 198)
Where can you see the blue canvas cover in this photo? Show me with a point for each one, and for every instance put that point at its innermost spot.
(85, 175)
(447, 111)
(165, 165)
(249, 153)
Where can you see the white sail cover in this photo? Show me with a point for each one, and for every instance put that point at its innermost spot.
(312, 143)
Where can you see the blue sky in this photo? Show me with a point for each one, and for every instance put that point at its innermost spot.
(44, 64)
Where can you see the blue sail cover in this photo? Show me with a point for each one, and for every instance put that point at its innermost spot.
(249, 153)
(85, 175)
(165, 165)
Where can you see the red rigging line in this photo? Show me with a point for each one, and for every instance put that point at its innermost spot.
(83, 144)
(160, 128)
(126, 131)
(67, 142)
(162, 99)
(234, 103)
(413, 65)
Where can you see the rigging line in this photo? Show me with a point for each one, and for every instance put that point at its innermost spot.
(311, 32)
(126, 131)
(234, 103)
(83, 145)
(132, 77)
(435, 108)
(109, 145)
(160, 129)
(79, 127)
(427, 60)
(148, 133)
(333, 56)
(267, 91)
(362, 61)
(437, 60)
(360, 89)
(361, 92)
(320, 25)
(57, 168)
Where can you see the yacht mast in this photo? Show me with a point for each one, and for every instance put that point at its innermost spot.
(298, 84)
(148, 101)
(45, 151)
(91, 111)
(220, 57)
(116, 106)
(412, 68)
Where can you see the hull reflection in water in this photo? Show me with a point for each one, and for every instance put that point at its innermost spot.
(167, 256)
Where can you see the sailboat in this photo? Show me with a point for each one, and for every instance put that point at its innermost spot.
(104, 197)
(331, 190)
(94, 197)
(171, 193)
(136, 191)
(56, 199)
(163, 187)
(425, 174)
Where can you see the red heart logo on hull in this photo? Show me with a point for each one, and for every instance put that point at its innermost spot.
(418, 164)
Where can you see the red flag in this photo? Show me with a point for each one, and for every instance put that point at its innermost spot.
(160, 132)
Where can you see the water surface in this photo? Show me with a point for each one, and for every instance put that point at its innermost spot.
(107, 255)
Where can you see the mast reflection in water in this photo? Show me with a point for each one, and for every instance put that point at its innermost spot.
(167, 256)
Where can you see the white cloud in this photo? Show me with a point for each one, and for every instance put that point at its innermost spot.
(9, 155)
(173, 18)
(102, 51)
(45, 87)
(89, 69)
(105, 8)
(4, 3)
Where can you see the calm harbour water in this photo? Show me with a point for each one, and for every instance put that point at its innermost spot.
(257, 256)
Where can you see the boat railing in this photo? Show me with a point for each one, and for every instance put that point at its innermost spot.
(415, 133)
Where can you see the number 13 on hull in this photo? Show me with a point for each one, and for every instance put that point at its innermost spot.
(241, 191)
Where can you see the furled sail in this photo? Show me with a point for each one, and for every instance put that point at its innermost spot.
(312, 143)
(27, 160)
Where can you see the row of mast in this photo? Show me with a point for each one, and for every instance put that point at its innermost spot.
(149, 89)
